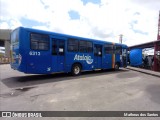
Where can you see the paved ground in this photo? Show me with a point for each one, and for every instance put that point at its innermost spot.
(101, 91)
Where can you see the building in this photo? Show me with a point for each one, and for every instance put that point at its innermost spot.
(5, 40)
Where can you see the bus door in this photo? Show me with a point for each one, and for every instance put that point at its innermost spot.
(124, 57)
(58, 54)
(109, 57)
(97, 56)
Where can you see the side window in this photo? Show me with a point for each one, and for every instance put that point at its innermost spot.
(85, 46)
(108, 49)
(82, 46)
(72, 45)
(89, 46)
(117, 49)
(39, 41)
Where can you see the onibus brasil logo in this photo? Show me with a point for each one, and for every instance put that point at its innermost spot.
(87, 58)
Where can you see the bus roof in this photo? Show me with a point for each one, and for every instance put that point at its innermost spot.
(68, 36)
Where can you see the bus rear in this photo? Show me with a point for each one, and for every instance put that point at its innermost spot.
(15, 56)
(30, 51)
(15, 51)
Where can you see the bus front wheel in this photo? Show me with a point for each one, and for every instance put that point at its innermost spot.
(116, 67)
(76, 69)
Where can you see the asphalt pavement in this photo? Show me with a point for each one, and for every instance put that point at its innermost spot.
(123, 90)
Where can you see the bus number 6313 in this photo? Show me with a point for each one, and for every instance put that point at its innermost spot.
(34, 53)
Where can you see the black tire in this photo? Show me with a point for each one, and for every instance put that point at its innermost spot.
(116, 67)
(76, 69)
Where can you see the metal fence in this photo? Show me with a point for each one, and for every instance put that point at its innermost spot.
(5, 60)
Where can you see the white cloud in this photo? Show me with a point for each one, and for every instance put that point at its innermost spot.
(10, 24)
(136, 20)
(4, 25)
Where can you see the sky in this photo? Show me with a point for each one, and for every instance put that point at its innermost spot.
(136, 20)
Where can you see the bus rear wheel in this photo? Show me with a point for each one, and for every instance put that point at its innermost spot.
(76, 69)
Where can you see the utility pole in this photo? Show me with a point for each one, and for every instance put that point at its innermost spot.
(120, 38)
(158, 35)
(156, 66)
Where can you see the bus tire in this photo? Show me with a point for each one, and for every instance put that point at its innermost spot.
(116, 67)
(76, 69)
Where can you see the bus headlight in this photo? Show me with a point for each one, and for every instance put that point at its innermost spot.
(121, 58)
(19, 59)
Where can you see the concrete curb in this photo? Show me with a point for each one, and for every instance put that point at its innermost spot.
(144, 71)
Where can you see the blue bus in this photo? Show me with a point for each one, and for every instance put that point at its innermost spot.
(42, 52)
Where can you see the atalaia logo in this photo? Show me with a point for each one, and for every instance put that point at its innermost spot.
(87, 58)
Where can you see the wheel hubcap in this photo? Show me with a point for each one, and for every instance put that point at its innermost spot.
(76, 70)
(116, 66)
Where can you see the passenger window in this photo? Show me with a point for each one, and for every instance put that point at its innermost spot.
(39, 41)
(72, 45)
(108, 49)
(89, 46)
(85, 46)
(82, 46)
